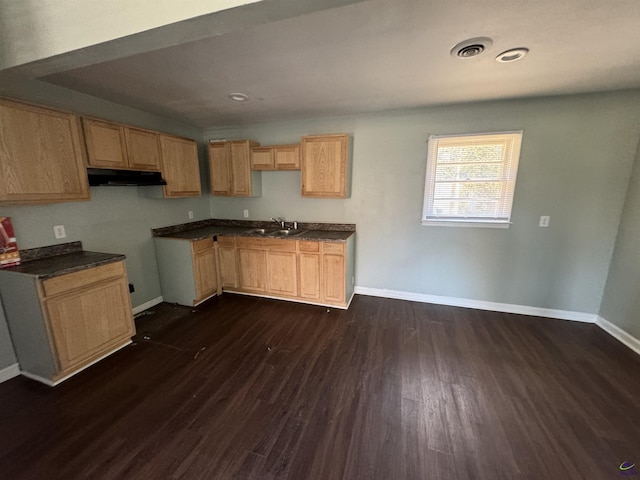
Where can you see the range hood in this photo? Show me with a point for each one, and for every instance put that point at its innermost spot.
(119, 178)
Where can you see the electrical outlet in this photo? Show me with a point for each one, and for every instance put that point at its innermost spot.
(246, 213)
(190, 214)
(58, 231)
(544, 221)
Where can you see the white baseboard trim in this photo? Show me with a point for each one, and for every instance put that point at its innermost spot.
(479, 304)
(616, 332)
(9, 372)
(149, 304)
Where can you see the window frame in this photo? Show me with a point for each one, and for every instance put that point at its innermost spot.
(509, 180)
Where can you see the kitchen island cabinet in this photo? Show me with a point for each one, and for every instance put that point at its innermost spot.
(41, 155)
(64, 323)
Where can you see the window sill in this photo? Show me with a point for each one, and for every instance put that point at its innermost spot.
(467, 223)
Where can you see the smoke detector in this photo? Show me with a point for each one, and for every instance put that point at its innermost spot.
(471, 48)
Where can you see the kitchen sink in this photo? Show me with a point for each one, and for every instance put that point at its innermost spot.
(276, 233)
(288, 233)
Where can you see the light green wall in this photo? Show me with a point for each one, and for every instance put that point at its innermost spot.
(621, 302)
(577, 155)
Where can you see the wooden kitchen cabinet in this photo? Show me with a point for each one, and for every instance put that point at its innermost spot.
(205, 269)
(252, 269)
(333, 273)
(282, 276)
(230, 169)
(188, 269)
(65, 323)
(121, 147)
(41, 155)
(267, 266)
(228, 262)
(309, 270)
(180, 166)
(325, 166)
(89, 317)
(278, 157)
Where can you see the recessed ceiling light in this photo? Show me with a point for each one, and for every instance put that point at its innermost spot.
(512, 55)
(238, 97)
(471, 48)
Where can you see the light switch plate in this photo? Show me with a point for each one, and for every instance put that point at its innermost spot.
(544, 221)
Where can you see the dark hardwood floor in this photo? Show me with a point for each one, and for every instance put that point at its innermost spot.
(248, 388)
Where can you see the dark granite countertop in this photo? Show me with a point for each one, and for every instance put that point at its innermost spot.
(326, 232)
(47, 262)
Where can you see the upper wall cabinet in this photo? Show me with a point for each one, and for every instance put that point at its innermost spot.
(230, 169)
(41, 155)
(325, 166)
(111, 145)
(277, 157)
(180, 166)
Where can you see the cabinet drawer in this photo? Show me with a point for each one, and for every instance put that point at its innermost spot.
(266, 244)
(226, 241)
(200, 245)
(335, 248)
(305, 246)
(60, 284)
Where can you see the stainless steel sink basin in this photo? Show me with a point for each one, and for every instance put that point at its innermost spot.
(275, 233)
(259, 231)
(287, 233)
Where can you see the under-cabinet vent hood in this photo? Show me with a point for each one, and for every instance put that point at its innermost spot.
(119, 178)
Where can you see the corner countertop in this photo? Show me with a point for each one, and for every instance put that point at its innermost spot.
(325, 232)
(55, 260)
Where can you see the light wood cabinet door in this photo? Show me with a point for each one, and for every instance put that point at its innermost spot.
(87, 322)
(282, 273)
(241, 168)
(106, 144)
(287, 157)
(143, 149)
(205, 273)
(324, 166)
(262, 158)
(228, 267)
(252, 270)
(41, 155)
(180, 166)
(220, 168)
(333, 273)
(309, 268)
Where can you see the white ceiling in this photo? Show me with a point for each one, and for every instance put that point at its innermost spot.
(374, 55)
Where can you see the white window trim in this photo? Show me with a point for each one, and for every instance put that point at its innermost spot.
(480, 222)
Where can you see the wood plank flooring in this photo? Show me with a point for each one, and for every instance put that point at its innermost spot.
(249, 388)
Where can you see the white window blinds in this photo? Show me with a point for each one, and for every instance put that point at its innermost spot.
(471, 178)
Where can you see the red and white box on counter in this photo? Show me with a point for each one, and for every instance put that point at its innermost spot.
(9, 253)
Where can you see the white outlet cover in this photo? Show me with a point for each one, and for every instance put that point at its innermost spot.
(59, 232)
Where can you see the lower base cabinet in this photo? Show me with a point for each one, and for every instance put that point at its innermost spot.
(188, 270)
(306, 271)
(65, 323)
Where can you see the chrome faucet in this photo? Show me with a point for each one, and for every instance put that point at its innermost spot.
(279, 221)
